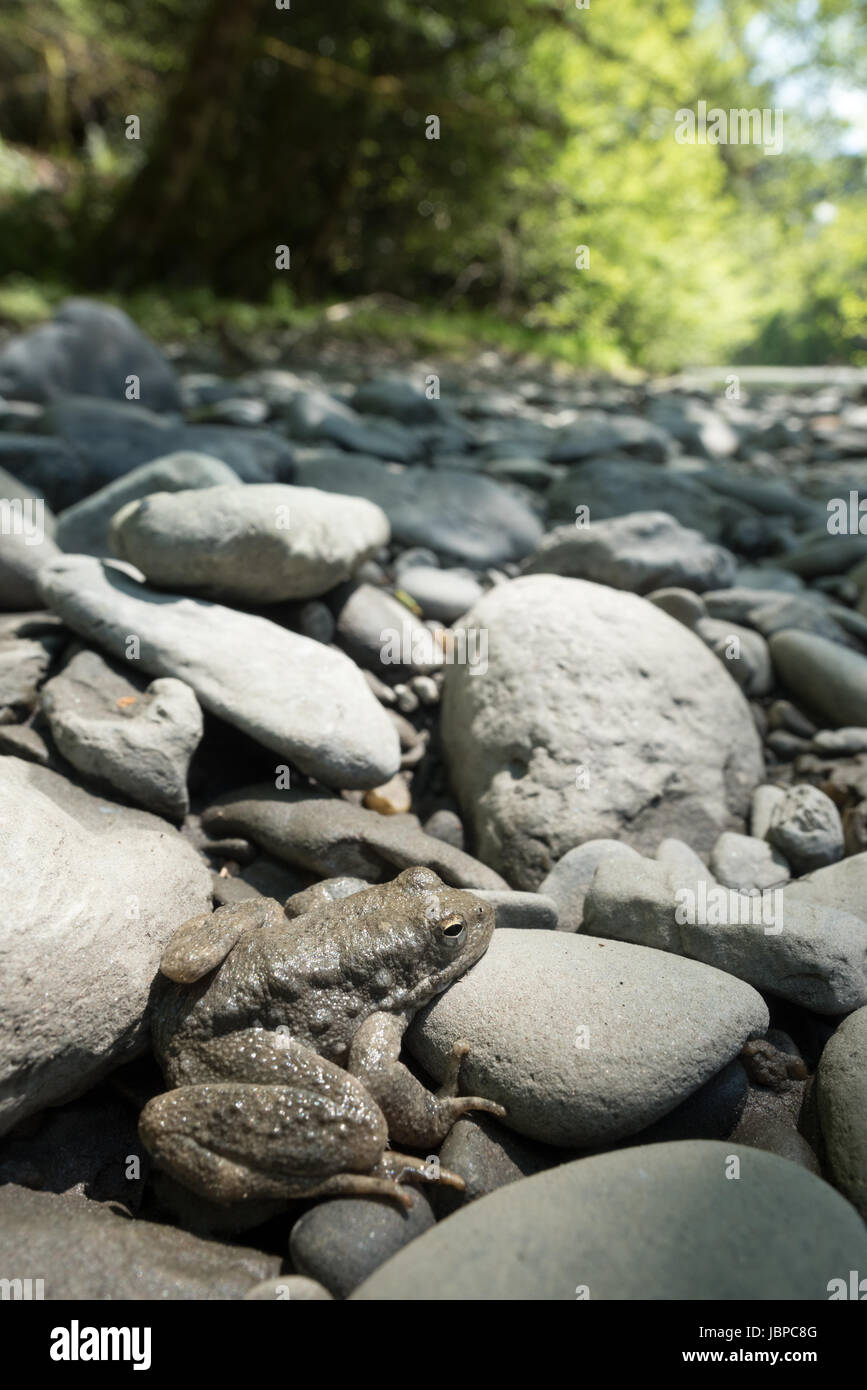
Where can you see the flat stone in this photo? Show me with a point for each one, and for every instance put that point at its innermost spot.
(382, 634)
(802, 950)
(743, 653)
(93, 892)
(772, 613)
(569, 880)
(767, 577)
(827, 554)
(711, 1112)
(765, 798)
(615, 486)
(582, 1231)
(681, 859)
(332, 837)
(599, 717)
(84, 1251)
(264, 543)
(522, 911)
(398, 397)
(328, 890)
(771, 496)
(254, 455)
(22, 741)
(638, 552)
(474, 520)
(842, 885)
(840, 742)
(782, 714)
(697, 426)
(307, 702)
(577, 1037)
(316, 416)
(598, 431)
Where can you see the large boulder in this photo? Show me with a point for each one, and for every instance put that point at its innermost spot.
(92, 892)
(673, 1221)
(599, 717)
(87, 349)
(580, 1039)
(84, 1251)
(841, 1100)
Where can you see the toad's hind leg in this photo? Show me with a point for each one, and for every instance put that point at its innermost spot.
(200, 1134)
(268, 1119)
(415, 1115)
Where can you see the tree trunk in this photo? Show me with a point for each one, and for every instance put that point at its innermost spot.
(152, 213)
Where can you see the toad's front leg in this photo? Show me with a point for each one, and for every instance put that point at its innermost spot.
(415, 1115)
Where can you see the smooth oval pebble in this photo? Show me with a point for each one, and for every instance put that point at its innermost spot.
(339, 1243)
(661, 1221)
(824, 675)
(586, 1041)
(266, 543)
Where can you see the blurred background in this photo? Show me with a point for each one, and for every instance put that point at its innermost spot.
(308, 127)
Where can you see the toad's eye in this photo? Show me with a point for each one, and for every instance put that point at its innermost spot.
(454, 929)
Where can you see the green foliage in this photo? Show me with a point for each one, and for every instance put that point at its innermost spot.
(557, 131)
